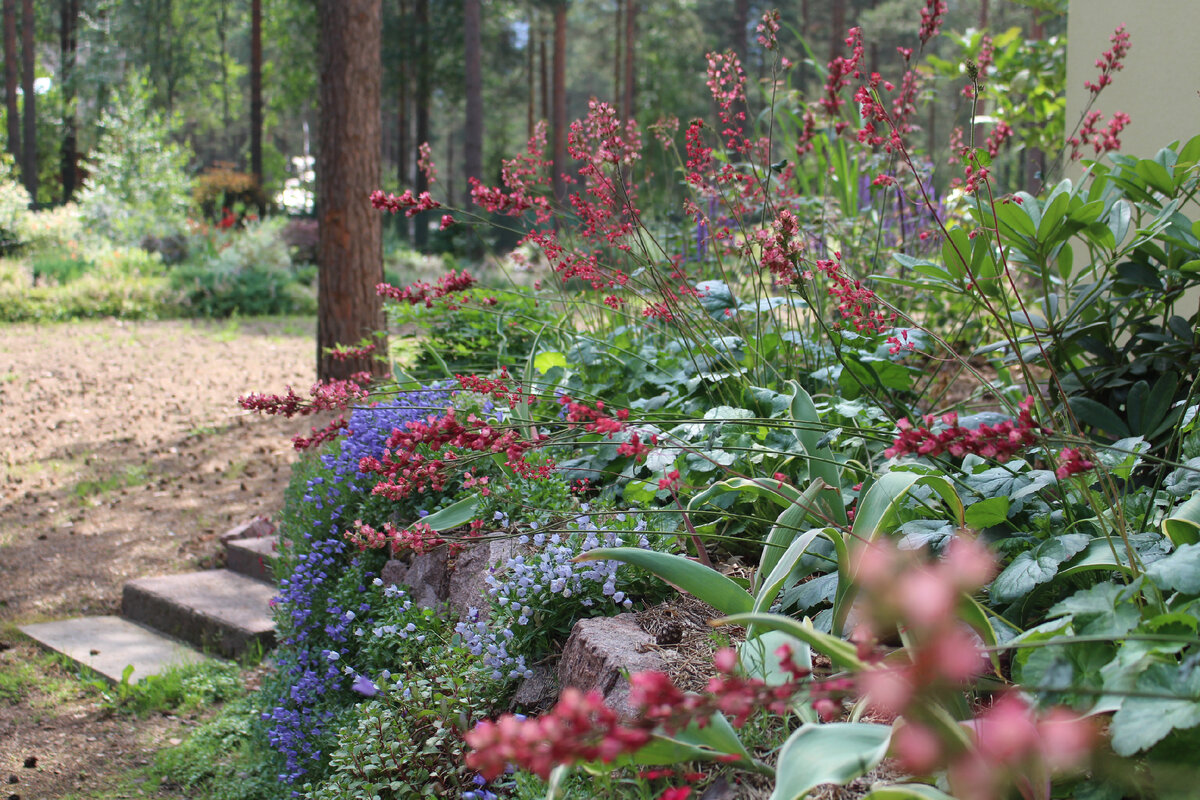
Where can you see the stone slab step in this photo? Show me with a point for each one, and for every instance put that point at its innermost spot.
(216, 610)
(107, 645)
(252, 557)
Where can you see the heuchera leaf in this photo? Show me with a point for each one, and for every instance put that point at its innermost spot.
(1142, 722)
(1036, 566)
(1179, 572)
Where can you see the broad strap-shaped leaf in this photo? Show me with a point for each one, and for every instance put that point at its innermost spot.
(907, 791)
(783, 533)
(840, 651)
(689, 576)
(835, 753)
(1183, 526)
(717, 739)
(453, 515)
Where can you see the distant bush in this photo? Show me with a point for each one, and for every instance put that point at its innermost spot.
(14, 210)
(300, 234)
(138, 186)
(221, 189)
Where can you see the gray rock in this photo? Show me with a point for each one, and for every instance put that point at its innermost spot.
(537, 692)
(720, 789)
(468, 580)
(254, 529)
(427, 576)
(601, 651)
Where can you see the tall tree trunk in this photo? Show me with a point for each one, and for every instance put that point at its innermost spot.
(737, 43)
(350, 246)
(620, 31)
(423, 100)
(226, 112)
(530, 45)
(12, 79)
(67, 46)
(545, 71)
(473, 137)
(256, 95)
(29, 168)
(630, 51)
(560, 101)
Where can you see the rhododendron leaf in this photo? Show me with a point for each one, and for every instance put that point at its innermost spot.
(454, 515)
(1168, 698)
(1034, 567)
(684, 574)
(1098, 416)
(839, 650)
(907, 791)
(834, 753)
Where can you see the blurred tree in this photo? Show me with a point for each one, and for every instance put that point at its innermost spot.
(29, 160)
(473, 46)
(67, 49)
(12, 79)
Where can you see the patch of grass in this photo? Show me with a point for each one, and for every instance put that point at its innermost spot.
(184, 688)
(132, 475)
(223, 759)
(35, 677)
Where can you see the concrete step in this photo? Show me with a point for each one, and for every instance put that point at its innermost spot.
(252, 557)
(107, 645)
(216, 610)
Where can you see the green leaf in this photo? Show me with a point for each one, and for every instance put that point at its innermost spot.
(1179, 572)
(1183, 526)
(907, 791)
(787, 526)
(757, 656)
(986, 513)
(692, 577)
(1142, 722)
(1098, 416)
(956, 252)
(1034, 567)
(544, 362)
(835, 753)
(839, 651)
(453, 515)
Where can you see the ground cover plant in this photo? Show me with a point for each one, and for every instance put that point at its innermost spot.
(983, 594)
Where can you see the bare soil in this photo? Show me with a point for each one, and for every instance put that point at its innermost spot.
(125, 455)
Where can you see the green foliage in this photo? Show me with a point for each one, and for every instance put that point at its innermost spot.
(408, 741)
(138, 184)
(14, 209)
(182, 688)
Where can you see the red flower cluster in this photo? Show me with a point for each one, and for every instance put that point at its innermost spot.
(406, 469)
(579, 728)
(422, 292)
(782, 247)
(841, 69)
(931, 19)
(1103, 140)
(727, 82)
(594, 417)
(497, 387)
(768, 30)
(332, 395)
(418, 538)
(1110, 60)
(605, 145)
(855, 302)
(1000, 442)
(412, 205)
(996, 139)
(350, 353)
(320, 435)
(521, 176)
(1071, 462)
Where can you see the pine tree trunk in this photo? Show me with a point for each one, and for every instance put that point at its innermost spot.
(473, 138)
(67, 43)
(560, 101)
(350, 250)
(545, 71)
(12, 79)
(837, 28)
(423, 101)
(256, 96)
(530, 46)
(29, 168)
(620, 31)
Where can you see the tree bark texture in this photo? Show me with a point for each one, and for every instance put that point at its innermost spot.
(256, 95)
(67, 46)
(560, 101)
(12, 79)
(350, 248)
(473, 37)
(29, 164)
(837, 28)
(617, 61)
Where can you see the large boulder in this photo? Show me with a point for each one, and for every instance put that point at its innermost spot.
(601, 652)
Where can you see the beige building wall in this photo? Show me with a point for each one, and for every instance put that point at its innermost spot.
(1158, 86)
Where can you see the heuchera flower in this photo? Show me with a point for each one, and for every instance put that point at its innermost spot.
(1000, 442)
